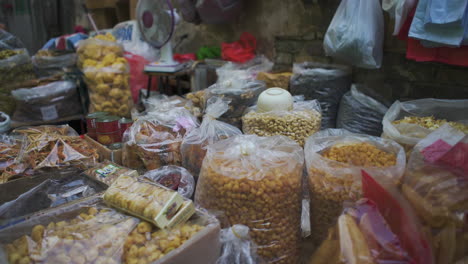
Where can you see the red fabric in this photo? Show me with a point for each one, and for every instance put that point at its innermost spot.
(138, 79)
(61, 44)
(185, 57)
(416, 51)
(240, 51)
(396, 212)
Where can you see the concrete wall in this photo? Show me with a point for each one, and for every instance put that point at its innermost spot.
(291, 31)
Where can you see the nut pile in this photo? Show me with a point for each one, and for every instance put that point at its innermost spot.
(329, 190)
(267, 200)
(146, 244)
(297, 125)
(198, 102)
(431, 123)
(94, 236)
(106, 72)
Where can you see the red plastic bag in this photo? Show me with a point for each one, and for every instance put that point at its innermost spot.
(400, 217)
(138, 79)
(184, 57)
(240, 51)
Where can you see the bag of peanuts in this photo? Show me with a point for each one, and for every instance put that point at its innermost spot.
(257, 182)
(106, 74)
(210, 131)
(334, 160)
(435, 183)
(409, 122)
(298, 124)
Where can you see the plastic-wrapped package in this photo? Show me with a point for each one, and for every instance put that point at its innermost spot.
(326, 83)
(409, 134)
(147, 200)
(360, 113)
(51, 189)
(50, 146)
(334, 161)
(106, 74)
(107, 172)
(356, 34)
(10, 148)
(173, 177)
(151, 144)
(257, 182)
(194, 145)
(244, 71)
(297, 124)
(237, 246)
(49, 63)
(9, 41)
(435, 183)
(275, 79)
(48, 102)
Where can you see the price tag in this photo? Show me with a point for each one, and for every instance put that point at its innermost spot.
(49, 113)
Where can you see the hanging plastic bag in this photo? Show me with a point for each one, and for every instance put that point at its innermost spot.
(409, 122)
(398, 10)
(435, 183)
(217, 12)
(359, 113)
(257, 182)
(326, 83)
(237, 246)
(210, 131)
(356, 34)
(335, 158)
(173, 177)
(241, 51)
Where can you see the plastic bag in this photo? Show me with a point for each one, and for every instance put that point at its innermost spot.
(326, 83)
(48, 102)
(356, 34)
(435, 183)
(49, 146)
(241, 51)
(147, 200)
(10, 148)
(9, 41)
(173, 177)
(359, 113)
(48, 63)
(107, 172)
(217, 12)
(138, 79)
(237, 246)
(188, 11)
(257, 182)
(210, 131)
(334, 159)
(275, 79)
(74, 234)
(408, 134)
(106, 74)
(298, 124)
(243, 71)
(399, 10)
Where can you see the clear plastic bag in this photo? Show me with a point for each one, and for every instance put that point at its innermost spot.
(257, 182)
(173, 177)
(244, 71)
(275, 79)
(298, 124)
(48, 102)
(10, 148)
(9, 41)
(107, 76)
(48, 65)
(210, 131)
(399, 10)
(435, 184)
(107, 172)
(356, 34)
(360, 113)
(237, 246)
(326, 83)
(334, 159)
(408, 134)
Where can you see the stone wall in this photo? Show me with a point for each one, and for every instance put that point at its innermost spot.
(290, 31)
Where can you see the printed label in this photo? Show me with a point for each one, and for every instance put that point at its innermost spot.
(109, 169)
(49, 113)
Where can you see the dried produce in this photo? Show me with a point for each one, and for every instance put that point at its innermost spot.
(334, 160)
(9, 53)
(256, 181)
(106, 74)
(300, 123)
(94, 235)
(197, 102)
(9, 151)
(107, 172)
(431, 123)
(152, 202)
(173, 177)
(275, 79)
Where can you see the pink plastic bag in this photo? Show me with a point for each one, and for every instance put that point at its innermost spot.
(138, 79)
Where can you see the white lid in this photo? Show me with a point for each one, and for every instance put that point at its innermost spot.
(277, 99)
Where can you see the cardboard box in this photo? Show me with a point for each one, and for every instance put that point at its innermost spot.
(104, 152)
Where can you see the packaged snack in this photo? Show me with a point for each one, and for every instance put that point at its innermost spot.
(10, 148)
(334, 161)
(298, 124)
(149, 201)
(53, 62)
(107, 172)
(173, 177)
(409, 122)
(237, 246)
(275, 79)
(435, 184)
(210, 131)
(257, 182)
(106, 74)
